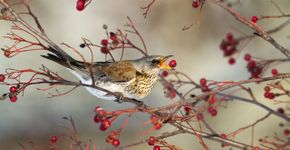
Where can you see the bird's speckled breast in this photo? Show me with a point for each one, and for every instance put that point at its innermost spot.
(142, 85)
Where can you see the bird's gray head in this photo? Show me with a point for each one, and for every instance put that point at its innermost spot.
(151, 64)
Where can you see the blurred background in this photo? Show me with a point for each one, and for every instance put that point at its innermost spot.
(35, 117)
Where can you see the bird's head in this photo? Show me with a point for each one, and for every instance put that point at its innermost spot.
(152, 64)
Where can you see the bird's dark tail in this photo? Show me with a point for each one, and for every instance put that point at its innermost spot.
(62, 58)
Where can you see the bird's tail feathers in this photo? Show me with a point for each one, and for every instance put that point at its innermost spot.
(62, 58)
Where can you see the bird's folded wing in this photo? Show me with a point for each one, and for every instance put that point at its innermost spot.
(122, 71)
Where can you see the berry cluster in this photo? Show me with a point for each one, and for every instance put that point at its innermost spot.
(100, 117)
(152, 141)
(212, 111)
(113, 139)
(203, 84)
(252, 67)
(109, 44)
(13, 90)
(155, 121)
(268, 94)
(229, 47)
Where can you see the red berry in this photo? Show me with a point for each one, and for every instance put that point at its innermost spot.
(151, 140)
(2, 78)
(195, 4)
(212, 100)
(232, 61)
(270, 95)
(104, 50)
(187, 108)
(254, 19)
(212, 111)
(267, 89)
(280, 110)
(202, 82)
(7, 53)
(80, 5)
(274, 72)
(13, 89)
(157, 126)
(286, 132)
(53, 139)
(230, 37)
(156, 147)
(164, 73)
(116, 142)
(97, 118)
(105, 124)
(13, 99)
(247, 57)
(113, 36)
(104, 42)
(172, 63)
(251, 64)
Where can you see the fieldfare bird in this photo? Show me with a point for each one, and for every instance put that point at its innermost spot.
(130, 78)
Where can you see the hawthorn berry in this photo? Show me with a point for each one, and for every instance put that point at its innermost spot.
(172, 63)
(267, 89)
(97, 118)
(212, 111)
(104, 50)
(286, 132)
(164, 73)
(156, 147)
(2, 78)
(13, 98)
(232, 61)
(157, 126)
(230, 37)
(274, 72)
(105, 124)
(104, 42)
(202, 82)
(195, 4)
(280, 110)
(254, 19)
(116, 142)
(53, 139)
(187, 108)
(113, 36)
(151, 140)
(247, 57)
(13, 89)
(7, 53)
(80, 5)
(212, 100)
(251, 64)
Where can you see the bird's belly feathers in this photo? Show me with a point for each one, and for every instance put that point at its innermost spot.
(120, 88)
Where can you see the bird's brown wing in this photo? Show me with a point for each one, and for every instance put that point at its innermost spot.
(122, 71)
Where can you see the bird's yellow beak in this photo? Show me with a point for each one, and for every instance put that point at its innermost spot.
(163, 65)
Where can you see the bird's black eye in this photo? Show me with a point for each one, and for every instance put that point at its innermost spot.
(155, 61)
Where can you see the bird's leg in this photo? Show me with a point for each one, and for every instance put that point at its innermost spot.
(119, 97)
